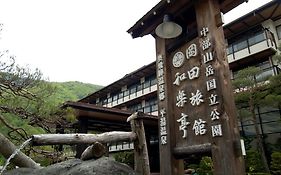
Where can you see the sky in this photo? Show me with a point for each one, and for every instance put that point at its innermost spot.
(82, 40)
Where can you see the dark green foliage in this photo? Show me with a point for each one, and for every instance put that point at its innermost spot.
(276, 163)
(247, 142)
(246, 77)
(126, 157)
(274, 91)
(254, 162)
(205, 166)
(254, 91)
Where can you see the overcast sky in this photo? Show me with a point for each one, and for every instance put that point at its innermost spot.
(82, 40)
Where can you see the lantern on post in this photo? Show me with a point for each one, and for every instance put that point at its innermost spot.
(168, 29)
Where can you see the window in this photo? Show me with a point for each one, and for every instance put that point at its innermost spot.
(120, 95)
(240, 45)
(256, 38)
(151, 105)
(109, 99)
(115, 97)
(146, 83)
(126, 92)
(149, 81)
(139, 87)
(229, 50)
(153, 80)
(104, 101)
(278, 29)
(136, 107)
(133, 88)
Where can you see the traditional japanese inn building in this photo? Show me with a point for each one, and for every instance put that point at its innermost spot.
(252, 41)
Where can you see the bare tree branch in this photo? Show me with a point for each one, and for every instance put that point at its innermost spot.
(17, 130)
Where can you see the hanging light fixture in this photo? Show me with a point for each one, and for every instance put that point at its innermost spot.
(168, 29)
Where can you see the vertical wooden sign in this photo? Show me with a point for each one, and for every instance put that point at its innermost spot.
(196, 104)
(168, 163)
(226, 150)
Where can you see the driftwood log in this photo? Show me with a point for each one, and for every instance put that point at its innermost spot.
(94, 151)
(72, 139)
(21, 160)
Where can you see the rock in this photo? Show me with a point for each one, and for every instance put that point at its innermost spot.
(102, 166)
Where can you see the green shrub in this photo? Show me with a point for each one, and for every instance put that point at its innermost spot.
(276, 163)
(254, 162)
(126, 157)
(205, 166)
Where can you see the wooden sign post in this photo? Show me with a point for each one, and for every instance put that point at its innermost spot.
(196, 107)
(196, 104)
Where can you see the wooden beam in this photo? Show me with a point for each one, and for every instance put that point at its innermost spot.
(182, 152)
(72, 139)
(274, 10)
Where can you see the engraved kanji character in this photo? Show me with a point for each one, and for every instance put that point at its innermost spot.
(183, 124)
(162, 112)
(163, 121)
(199, 127)
(206, 43)
(215, 115)
(163, 140)
(208, 56)
(179, 78)
(160, 72)
(209, 70)
(216, 130)
(161, 96)
(191, 51)
(193, 73)
(213, 99)
(160, 65)
(211, 84)
(204, 31)
(163, 130)
(196, 99)
(161, 88)
(181, 98)
(160, 80)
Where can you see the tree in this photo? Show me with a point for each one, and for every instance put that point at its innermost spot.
(274, 90)
(252, 94)
(26, 104)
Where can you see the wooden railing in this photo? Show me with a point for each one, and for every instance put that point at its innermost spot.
(96, 149)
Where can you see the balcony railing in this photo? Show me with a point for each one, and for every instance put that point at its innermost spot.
(120, 99)
(253, 44)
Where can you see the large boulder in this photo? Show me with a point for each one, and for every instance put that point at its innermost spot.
(102, 166)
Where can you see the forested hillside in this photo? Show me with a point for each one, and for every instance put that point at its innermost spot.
(73, 90)
(47, 110)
